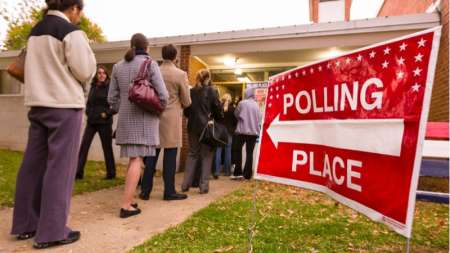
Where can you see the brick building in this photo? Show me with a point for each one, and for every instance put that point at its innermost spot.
(440, 97)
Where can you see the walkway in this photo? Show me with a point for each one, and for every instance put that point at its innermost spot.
(96, 216)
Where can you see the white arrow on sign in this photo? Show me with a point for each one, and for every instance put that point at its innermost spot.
(381, 136)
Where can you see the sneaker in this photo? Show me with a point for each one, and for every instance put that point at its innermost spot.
(233, 177)
(71, 238)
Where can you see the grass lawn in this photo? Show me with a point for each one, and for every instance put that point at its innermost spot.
(295, 220)
(93, 178)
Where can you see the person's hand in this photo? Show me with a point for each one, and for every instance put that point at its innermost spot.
(103, 115)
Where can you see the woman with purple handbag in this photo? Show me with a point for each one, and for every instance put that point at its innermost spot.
(135, 81)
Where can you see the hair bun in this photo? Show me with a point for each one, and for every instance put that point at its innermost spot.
(53, 4)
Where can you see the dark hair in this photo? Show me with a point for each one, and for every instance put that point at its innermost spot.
(138, 42)
(169, 52)
(62, 5)
(203, 78)
(95, 80)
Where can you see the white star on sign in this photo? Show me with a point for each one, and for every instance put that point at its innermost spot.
(320, 68)
(372, 54)
(400, 74)
(415, 87)
(271, 96)
(282, 87)
(329, 65)
(311, 71)
(385, 64)
(270, 104)
(296, 74)
(278, 96)
(387, 50)
(421, 42)
(417, 71)
(282, 78)
(418, 57)
(304, 72)
(276, 88)
(401, 61)
(347, 61)
(403, 46)
(359, 57)
(338, 63)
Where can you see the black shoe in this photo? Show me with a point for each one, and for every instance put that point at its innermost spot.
(144, 196)
(128, 213)
(215, 176)
(71, 238)
(204, 191)
(175, 196)
(135, 205)
(109, 177)
(185, 190)
(26, 235)
(79, 177)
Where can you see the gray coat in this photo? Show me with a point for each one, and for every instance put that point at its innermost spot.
(135, 126)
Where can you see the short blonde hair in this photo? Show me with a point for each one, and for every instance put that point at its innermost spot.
(203, 77)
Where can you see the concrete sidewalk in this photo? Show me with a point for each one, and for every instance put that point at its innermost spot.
(96, 216)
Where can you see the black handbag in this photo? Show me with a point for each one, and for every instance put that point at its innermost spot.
(214, 134)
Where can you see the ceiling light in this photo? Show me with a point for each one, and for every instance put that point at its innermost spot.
(230, 62)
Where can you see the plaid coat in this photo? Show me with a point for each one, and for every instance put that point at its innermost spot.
(135, 126)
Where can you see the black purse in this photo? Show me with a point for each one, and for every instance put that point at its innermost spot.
(214, 134)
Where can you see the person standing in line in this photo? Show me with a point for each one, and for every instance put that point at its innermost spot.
(230, 123)
(137, 130)
(205, 106)
(247, 130)
(59, 63)
(99, 119)
(170, 127)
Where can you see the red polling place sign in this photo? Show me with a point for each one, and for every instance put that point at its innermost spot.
(353, 126)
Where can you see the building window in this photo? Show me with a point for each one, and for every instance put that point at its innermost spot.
(9, 85)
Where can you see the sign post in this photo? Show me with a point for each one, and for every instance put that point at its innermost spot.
(353, 127)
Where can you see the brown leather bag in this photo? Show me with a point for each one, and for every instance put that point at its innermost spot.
(143, 94)
(17, 68)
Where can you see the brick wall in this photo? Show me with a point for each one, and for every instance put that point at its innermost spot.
(439, 110)
(185, 56)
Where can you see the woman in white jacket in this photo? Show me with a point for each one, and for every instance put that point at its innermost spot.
(58, 64)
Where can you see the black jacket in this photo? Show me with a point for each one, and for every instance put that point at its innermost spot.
(97, 104)
(205, 103)
(229, 119)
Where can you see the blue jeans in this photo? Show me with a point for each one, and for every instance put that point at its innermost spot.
(227, 162)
